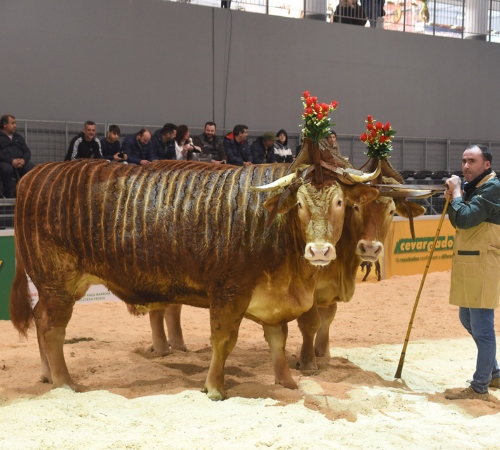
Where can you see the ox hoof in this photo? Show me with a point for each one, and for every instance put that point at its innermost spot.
(287, 384)
(163, 352)
(213, 394)
(45, 379)
(178, 346)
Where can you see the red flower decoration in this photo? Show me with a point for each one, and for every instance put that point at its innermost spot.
(317, 123)
(377, 138)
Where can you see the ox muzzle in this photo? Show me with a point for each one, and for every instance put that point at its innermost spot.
(320, 254)
(370, 250)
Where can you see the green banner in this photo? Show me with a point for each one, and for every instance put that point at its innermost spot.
(7, 270)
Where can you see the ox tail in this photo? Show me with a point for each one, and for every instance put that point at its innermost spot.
(21, 313)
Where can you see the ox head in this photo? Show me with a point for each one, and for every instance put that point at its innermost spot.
(320, 210)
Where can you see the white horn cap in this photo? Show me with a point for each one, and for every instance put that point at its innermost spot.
(279, 183)
(366, 176)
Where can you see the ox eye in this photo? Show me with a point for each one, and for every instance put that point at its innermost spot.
(339, 202)
(356, 208)
(299, 205)
(392, 212)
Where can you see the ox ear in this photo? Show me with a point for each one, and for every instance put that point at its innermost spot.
(404, 208)
(287, 204)
(360, 193)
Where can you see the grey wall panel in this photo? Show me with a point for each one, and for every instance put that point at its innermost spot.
(149, 61)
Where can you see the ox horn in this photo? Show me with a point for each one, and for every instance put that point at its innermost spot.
(366, 176)
(282, 182)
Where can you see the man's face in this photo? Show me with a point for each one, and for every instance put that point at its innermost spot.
(144, 139)
(167, 137)
(242, 136)
(209, 131)
(268, 143)
(10, 128)
(89, 132)
(113, 136)
(473, 164)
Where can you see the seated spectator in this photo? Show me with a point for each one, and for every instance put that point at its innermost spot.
(85, 144)
(350, 12)
(138, 147)
(163, 142)
(236, 147)
(282, 152)
(210, 144)
(110, 145)
(263, 149)
(330, 143)
(14, 155)
(184, 146)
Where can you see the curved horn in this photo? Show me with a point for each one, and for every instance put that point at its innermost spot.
(366, 176)
(285, 181)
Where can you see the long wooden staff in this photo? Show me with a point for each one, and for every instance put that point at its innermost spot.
(403, 353)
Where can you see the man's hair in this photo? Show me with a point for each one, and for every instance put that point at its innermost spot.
(168, 128)
(211, 124)
(142, 131)
(239, 129)
(487, 156)
(114, 129)
(89, 122)
(4, 120)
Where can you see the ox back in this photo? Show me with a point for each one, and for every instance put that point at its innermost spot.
(150, 234)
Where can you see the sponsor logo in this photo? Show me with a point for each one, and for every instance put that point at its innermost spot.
(424, 244)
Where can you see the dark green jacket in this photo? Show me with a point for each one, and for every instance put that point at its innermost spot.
(482, 205)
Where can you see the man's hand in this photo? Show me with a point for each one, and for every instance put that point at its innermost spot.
(454, 190)
(144, 162)
(18, 163)
(247, 163)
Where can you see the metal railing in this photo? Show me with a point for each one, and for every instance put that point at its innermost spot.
(464, 19)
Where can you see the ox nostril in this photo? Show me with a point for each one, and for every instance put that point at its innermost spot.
(311, 251)
(327, 251)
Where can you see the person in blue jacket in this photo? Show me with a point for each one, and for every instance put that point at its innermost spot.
(138, 147)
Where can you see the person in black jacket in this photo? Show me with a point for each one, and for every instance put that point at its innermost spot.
(85, 144)
(163, 141)
(210, 144)
(14, 155)
(110, 145)
(236, 147)
(349, 11)
(263, 149)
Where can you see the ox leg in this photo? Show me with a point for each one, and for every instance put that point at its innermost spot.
(173, 321)
(309, 323)
(160, 344)
(51, 331)
(322, 341)
(276, 338)
(40, 319)
(224, 327)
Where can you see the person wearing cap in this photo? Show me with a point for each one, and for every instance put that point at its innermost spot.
(262, 149)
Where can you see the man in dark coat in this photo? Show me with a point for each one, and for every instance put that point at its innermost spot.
(14, 155)
(210, 144)
(138, 147)
(263, 149)
(163, 142)
(236, 147)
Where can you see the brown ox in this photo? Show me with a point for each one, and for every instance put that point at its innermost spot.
(365, 228)
(170, 233)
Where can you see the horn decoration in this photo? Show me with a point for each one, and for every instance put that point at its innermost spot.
(282, 182)
(367, 176)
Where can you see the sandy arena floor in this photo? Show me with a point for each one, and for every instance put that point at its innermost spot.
(135, 401)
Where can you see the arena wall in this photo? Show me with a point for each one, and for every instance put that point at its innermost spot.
(150, 61)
